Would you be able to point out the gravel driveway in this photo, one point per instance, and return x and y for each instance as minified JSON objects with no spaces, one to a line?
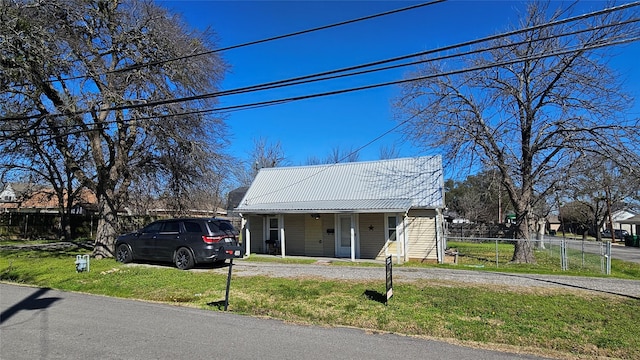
{"x":627,"y":288}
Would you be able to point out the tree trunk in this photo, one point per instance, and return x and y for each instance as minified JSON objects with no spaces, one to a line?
{"x":65,"y":224}
{"x":107,"y":232}
{"x":523,"y":252}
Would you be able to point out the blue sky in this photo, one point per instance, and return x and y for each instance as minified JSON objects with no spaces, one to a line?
{"x":313,"y":128}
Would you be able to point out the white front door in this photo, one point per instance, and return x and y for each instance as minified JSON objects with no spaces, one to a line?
{"x":343,"y":246}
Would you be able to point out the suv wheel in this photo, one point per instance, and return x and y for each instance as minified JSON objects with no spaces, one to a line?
{"x":123,"y":254}
{"x":184,"y":259}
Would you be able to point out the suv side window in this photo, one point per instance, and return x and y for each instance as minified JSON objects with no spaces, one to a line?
{"x":152,"y":228}
{"x":192,"y":227}
{"x":171,"y":227}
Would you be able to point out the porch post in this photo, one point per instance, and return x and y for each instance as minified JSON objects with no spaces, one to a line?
{"x":247,"y":235}
{"x":281,"y":229}
{"x":353,"y":240}
{"x":405,"y":236}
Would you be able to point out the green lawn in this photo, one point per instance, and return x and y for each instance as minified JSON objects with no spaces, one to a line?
{"x":559,"y":323}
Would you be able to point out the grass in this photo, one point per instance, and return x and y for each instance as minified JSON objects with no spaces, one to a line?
{"x":552,"y":322}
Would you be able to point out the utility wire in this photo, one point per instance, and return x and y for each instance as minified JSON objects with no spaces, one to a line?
{"x":368,"y":17}
{"x":299,"y":80}
{"x":255,"y":42}
{"x":377,"y":85}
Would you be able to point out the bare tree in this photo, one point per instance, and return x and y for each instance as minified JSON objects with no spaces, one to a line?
{"x":36,"y":157}
{"x":104,"y":76}
{"x":339,"y":155}
{"x":598,"y":188}
{"x":263,"y":155}
{"x":533,"y":99}
{"x":389,"y":152}
{"x":480,"y":198}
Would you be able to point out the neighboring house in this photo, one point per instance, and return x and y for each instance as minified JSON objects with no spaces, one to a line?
{"x":8,"y":194}
{"x":618,"y":218}
{"x":553,"y":224}
{"x":633,"y":224}
{"x":358,"y":210}
{"x":18,"y":197}
{"x":14,"y":192}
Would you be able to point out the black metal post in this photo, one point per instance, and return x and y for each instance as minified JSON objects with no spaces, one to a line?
{"x":226,"y":296}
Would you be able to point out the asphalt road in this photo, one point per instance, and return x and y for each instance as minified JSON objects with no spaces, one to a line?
{"x":46,"y":324}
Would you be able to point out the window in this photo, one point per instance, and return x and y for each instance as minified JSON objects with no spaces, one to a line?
{"x":152,"y":228}
{"x":273,"y":228}
{"x":171,"y":226}
{"x":392,"y":222}
{"x":192,"y":227}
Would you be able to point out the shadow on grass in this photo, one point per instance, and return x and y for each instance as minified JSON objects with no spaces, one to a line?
{"x":218,"y":304}
{"x":375,"y":296}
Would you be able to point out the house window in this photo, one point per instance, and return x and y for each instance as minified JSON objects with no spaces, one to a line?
{"x":273,"y":229}
{"x":392,"y":221}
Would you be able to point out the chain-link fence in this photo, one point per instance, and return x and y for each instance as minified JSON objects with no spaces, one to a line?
{"x":553,"y":253}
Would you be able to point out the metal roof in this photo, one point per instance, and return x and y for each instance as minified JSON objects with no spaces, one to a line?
{"x":386,"y":186}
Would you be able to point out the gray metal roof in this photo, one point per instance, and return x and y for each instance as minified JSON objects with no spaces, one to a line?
{"x":374,"y":186}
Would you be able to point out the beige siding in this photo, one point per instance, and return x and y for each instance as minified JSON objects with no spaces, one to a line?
{"x":393,"y":248}
{"x":372,"y":236}
{"x":256,"y":227}
{"x":294,"y":234}
{"x":422,"y":235}
{"x":313,"y":236}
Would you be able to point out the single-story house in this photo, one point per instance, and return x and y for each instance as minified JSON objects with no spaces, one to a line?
{"x":357,"y":210}
{"x":619,"y":220}
{"x":632,"y":222}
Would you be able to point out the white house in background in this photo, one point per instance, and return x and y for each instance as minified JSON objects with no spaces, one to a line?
{"x":618,"y":218}
{"x":11,"y":192}
{"x":358,"y":210}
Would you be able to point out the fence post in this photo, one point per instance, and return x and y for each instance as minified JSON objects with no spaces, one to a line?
{"x":496,"y":253}
{"x":605,"y":258}
{"x":26,"y":225}
{"x":602,"y":260}
{"x":583,"y":251}
{"x":608,"y":257}
{"x":563,"y":255}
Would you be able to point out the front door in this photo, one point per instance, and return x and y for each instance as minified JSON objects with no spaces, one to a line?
{"x":343,"y":248}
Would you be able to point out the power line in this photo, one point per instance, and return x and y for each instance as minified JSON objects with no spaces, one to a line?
{"x":299,"y":80}
{"x":446,"y":48}
{"x":261,"y":41}
{"x":377,"y":85}
{"x":286,"y":100}
{"x":324,"y":27}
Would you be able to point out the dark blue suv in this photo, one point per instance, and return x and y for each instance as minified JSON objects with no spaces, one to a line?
{"x":185,"y":242}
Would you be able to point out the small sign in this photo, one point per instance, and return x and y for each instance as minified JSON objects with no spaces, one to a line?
{"x":389,"y":278}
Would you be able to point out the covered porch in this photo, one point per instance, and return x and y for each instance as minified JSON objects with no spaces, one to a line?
{"x":345,"y":235}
